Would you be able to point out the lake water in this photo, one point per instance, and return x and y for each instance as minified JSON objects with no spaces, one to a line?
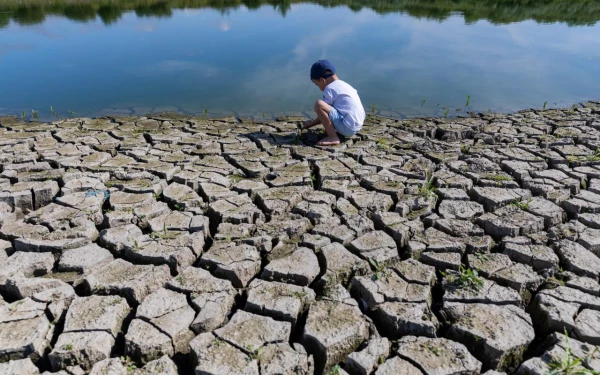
{"x":407,"y":58}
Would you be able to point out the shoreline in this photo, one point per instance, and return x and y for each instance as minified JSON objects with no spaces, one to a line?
{"x":386,"y":114}
{"x":173,"y":243}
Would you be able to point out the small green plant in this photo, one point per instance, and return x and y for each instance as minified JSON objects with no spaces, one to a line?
{"x":422,"y":102}
{"x":380,"y":270}
{"x":584,"y":184}
{"x":263,"y":115}
{"x":382,"y":144}
{"x":594,"y":157}
{"x":71,"y":113}
{"x":465,"y":279}
{"x":568,"y":364}
{"x":54,"y":113}
{"x":373,"y":109}
{"x":468,"y":100}
{"x":205,"y":112}
{"x":255,"y":354}
{"x":482,"y":257}
{"x":34,"y":114}
{"x":335,"y":370}
{"x":299,"y":295}
{"x":297,"y":139}
{"x":128,"y":363}
{"x":136,"y":246}
{"x":433,"y":349}
{"x":68,"y":347}
{"x":426,"y":189}
{"x":23,"y":116}
{"x":446,"y":112}
{"x":521,"y":204}
{"x":465,"y":149}
{"x":544,"y":107}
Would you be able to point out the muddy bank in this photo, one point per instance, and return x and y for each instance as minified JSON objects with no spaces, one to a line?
{"x":170,"y":243}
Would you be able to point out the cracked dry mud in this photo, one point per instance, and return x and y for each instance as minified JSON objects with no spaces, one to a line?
{"x":173,"y":244}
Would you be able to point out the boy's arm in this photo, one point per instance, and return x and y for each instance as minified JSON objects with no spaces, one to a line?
{"x":310,"y":123}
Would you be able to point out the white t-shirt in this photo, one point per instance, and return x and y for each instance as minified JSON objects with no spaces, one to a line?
{"x":344,"y":98}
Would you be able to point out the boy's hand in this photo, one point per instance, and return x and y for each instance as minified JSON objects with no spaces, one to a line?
{"x":307,"y":124}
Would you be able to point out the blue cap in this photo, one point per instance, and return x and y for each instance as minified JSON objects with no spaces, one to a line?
{"x":318,"y":69}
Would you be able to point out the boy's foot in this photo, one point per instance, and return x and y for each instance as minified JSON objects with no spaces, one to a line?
{"x":329,"y":141}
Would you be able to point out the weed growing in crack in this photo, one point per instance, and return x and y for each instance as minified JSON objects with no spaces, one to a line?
{"x":570,"y":365}
{"x":23,"y":117}
{"x":35,"y":114}
{"x":594,"y":157}
{"x":523,"y":205}
{"x":128,"y":363}
{"x":380,"y":271}
{"x":68,"y":347}
{"x":544,"y":107}
{"x":465,"y":279}
{"x":382,"y":144}
{"x":426,"y":189}
{"x":483,"y":257}
{"x":335,"y":370}
{"x":255,"y":354}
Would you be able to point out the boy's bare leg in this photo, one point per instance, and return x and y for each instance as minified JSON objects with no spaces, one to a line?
{"x":322,"y":109}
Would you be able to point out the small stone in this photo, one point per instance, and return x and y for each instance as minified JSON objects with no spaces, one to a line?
{"x":278,"y":300}
{"x":578,"y":260}
{"x":19,"y":367}
{"x":587,"y":326}
{"x":366,"y":360}
{"x":145,"y":343}
{"x":81,"y":349}
{"x":281,"y":358}
{"x":215,"y":356}
{"x":134,"y":282}
{"x":237,"y":263}
{"x":97,"y":313}
{"x":438,"y":355}
{"x":301,"y":267}
{"x":333,"y":330}
{"x":463,"y":210}
{"x":497,"y":335}
{"x":442,"y":260}
{"x":25,"y":338}
{"x":398,"y":319}
{"x":340,"y":265}
{"x":395,"y":366}
{"x":375,"y":245}
{"x":83,"y":259}
{"x":249,"y":332}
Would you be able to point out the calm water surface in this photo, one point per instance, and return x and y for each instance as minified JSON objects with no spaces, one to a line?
{"x":255,"y":61}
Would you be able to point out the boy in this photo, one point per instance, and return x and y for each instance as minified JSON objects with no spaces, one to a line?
{"x":340,"y":111}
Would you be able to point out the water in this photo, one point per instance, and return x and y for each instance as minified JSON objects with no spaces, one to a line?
{"x":136,"y":56}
